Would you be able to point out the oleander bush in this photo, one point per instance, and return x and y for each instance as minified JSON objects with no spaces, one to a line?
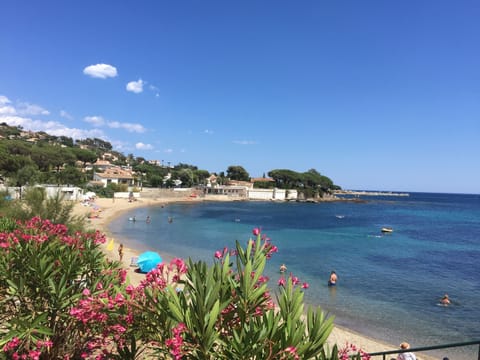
{"x":61,"y":299}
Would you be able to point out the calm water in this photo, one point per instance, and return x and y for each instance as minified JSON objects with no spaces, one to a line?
{"x":389,"y":285}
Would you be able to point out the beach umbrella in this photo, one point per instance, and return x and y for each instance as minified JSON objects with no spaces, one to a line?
{"x":148,"y":261}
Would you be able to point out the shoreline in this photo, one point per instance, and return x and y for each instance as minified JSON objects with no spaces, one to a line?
{"x":112,"y":209}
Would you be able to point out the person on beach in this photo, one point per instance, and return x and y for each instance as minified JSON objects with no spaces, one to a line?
{"x":283,"y":268}
{"x":406,"y":355}
{"x":333,"y":279}
{"x":445,"y":300}
{"x":120,"y":252}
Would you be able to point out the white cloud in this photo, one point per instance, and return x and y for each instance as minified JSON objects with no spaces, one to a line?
{"x":65,"y":115}
{"x":99,"y":121}
{"x":7,"y":110}
{"x":244,"y":142}
{"x":21,"y":108}
{"x":4,"y":100}
{"x":142,"y":146}
{"x":210,"y":132}
{"x":31,"y":109}
{"x":168,"y":151}
{"x":101,"y":71}
{"x":95,"y":120}
{"x":127,"y":126}
{"x":50,"y":127}
{"x":135,"y":86}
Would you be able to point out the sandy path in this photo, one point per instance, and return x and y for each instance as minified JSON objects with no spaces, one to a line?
{"x":111,"y":209}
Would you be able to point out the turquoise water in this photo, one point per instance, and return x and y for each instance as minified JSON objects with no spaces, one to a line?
{"x":389,"y":285}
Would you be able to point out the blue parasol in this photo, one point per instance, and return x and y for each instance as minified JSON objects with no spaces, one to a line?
{"x":148,"y":261}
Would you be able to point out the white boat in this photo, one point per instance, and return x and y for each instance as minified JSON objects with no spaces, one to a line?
{"x":387,"y":230}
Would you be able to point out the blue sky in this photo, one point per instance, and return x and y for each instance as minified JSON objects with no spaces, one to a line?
{"x":373,"y":94}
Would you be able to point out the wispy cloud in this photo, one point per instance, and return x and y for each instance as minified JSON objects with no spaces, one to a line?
{"x":138,"y":128}
{"x":21,"y":108}
{"x":99,"y":121}
{"x":168,"y":151}
{"x":245,"y":142}
{"x":209,"y":132}
{"x":5,"y":107}
{"x":142,"y":146}
{"x":155,"y":90}
{"x":135,"y":86}
{"x":65,"y":115}
{"x":31,"y":109}
{"x":101,"y":71}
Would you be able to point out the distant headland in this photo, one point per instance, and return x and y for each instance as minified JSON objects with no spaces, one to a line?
{"x":368,"y":193}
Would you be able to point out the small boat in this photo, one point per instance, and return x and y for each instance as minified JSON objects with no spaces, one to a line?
{"x":387,"y":230}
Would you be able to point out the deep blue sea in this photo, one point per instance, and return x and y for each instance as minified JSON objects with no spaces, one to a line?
{"x":389,"y":284}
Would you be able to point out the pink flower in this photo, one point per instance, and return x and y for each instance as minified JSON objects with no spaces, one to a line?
{"x":256,"y":231}
{"x":305,"y":285}
{"x":86,"y":292}
{"x":218,"y":254}
{"x":281,"y":281}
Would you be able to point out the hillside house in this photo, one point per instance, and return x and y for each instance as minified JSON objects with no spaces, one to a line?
{"x":114,"y":175}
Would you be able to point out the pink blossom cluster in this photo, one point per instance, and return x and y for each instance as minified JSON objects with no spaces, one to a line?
{"x":95,"y":311}
{"x":164,"y":275}
{"x":39,"y":231}
{"x":176,"y":342}
{"x":113,"y":312}
{"x":14,"y":351}
{"x":350,"y":349}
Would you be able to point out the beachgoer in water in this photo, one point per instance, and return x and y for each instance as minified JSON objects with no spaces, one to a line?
{"x":445,"y":300}
{"x":120,"y":252}
{"x":406,"y":355}
{"x":148,"y":220}
{"x":283,"y":268}
{"x":333,"y":279}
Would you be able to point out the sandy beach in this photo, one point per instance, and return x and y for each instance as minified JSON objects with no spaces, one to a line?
{"x":109,"y":209}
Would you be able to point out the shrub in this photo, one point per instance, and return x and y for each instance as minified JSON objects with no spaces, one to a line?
{"x":61,"y":299}
{"x":43,"y":272}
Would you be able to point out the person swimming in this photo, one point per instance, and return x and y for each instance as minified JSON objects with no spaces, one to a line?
{"x":332,"y":281}
{"x":445,"y":300}
{"x":283,"y":268}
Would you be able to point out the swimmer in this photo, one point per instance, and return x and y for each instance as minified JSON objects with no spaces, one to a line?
{"x":333,"y":279}
{"x":148,"y":220}
{"x":283,"y":268}
{"x":445,"y":300}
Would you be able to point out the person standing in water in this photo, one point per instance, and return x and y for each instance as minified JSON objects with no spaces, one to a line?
{"x":333,"y":279}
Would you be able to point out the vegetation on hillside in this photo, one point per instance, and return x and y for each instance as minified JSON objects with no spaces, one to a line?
{"x":29,"y":158}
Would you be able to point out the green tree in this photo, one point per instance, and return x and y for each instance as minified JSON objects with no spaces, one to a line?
{"x":201,"y":176}
{"x":84,"y":155}
{"x":70,"y":175}
{"x":236,"y":172}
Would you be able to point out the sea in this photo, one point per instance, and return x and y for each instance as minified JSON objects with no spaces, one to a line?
{"x":389,"y":284}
